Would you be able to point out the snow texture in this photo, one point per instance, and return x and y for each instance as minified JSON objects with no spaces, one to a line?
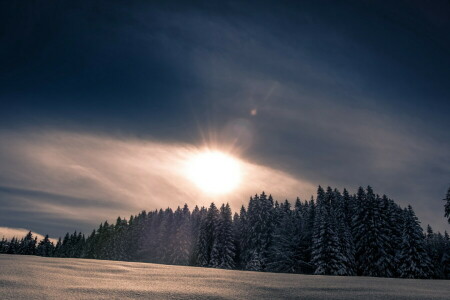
{"x":32,"y":277}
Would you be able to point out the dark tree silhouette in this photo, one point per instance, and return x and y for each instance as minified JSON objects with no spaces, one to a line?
{"x":338,"y":234}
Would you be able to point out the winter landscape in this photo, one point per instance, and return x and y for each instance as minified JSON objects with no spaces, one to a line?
{"x":30,"y":277}
{"x":225,"y":149}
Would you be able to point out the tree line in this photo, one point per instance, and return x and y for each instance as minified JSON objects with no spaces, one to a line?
{"x":334,"y":234}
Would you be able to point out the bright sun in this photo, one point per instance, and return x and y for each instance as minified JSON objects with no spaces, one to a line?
{"x":214,"y":172}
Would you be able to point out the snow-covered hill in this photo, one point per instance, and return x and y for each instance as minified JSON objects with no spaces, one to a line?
{"x":32,"y":277}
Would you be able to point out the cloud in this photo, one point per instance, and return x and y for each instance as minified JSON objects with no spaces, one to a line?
{"x":8,"y":233}
{"x":330,"y":109}
{"x":54,"y":180}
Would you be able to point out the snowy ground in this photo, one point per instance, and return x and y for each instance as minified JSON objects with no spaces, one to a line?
{"x":31,"y":277}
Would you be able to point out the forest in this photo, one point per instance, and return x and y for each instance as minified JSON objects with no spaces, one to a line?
{"x":335,"y":233}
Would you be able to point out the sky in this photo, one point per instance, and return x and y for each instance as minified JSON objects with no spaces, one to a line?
{"x":102,"y":103}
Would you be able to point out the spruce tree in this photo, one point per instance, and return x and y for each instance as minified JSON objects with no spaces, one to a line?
{"x":13,"y":246}
{"x":445,"y":257}
{"x":57,"y":251}
{"x":207,"y":236}
{"x":166,"y":234}
{"x":223,"y":251}
{"x":196,"y":218}
{"x":447,"y":205}
{"x":241,"y":238}
{"x":334,"y":235}
{"x":372,"y":255}
{"x":27,"y":245}
{"x":326,"y":255}
{"x":182,"y":238}
{"x":3,"y":244}
{"x":344,"y":233}
{"x":45,"y":247}
{"x":413,"y":257}
{"x":288,"y":251}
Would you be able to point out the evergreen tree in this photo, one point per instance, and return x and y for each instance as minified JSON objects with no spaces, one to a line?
{"x":326,"y":255}
{"x":343,"y":230}
{"x":57,"y":251}
{"x":241,"y":238}
{"x":182,"y":239}
{"x":288,"y":250}
{"x":207,"y":236}
{"x":13,"y":246}
{"x":337,"y":235}
{"x":45,"y":247}
{"x":89,"y":250}
{"x":3,"y":245}
{"x":166,"y":234}
{"x":445,"y":257}
{"x":196,"y":219}
{"x":413,"y":257}
{"x":447,"y":205}
{"x":436,"y":248}
{"x":260,"y":216}
{"x":27,"y":245}
{"x":371,"y":240}
{"x":223,"y":251}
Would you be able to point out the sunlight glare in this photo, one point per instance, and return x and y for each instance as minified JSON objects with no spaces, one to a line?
{"x":214,"y":172}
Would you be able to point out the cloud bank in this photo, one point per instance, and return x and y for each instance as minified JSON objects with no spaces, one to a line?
{"x":62,"y":181}
{"x":9,"y":233}
{"x":344,"y":97}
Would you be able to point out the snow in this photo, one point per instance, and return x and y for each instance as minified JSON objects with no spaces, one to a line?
{"x":33,"y":277}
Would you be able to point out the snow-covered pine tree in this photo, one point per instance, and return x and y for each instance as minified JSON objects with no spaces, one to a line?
{"x":99,"y":243}
{"x":89,"y":247}
{"x":13,"y":246}
{"x":326,"y":254}
{"x":136,"y":237}
{"x":108,"y":233}
{"x":147,"y":231}
{"x":166,"y":234}
{"x":447,"y":205}
{"x":173,"y":243}
{"x":28,"y":245}
{"x":207,"y":236}
{"x":223,"y":251}
{"x":413,"y":257}
{"x":118,"y":242}
{"x":45,"y":247}
{"x":81,"y":244}
{"x":247,"y":246}
{"x":236,"y":238}
{"x":308,"y":228}
{"x":3,"y":245}
{"x":196,"y":218}
{"x":260,"y":227}
{"x":182,"y":239}
{"x":240,"y":236}
{"x":391,"y":214}
{"x":347,"y":208}
{"x":280,"y":257}
{"x":372,"y":256}
{"x":435,"y":246}
{"x":344,"y":233}
{"x":298,"y":206}
{"x":288,"y":250}
{"x":57,"y":251}
{"x":445,"y":260}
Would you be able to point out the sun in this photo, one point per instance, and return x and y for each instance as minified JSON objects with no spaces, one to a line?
{"x":214,"y":172}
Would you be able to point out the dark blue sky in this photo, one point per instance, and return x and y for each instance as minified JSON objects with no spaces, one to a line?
{"x":347,"y":93}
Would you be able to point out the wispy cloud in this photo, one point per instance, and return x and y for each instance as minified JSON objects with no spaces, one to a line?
{"x":83,"y":179}
{"x":328,"y":108}
{"x":9,"y":233}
